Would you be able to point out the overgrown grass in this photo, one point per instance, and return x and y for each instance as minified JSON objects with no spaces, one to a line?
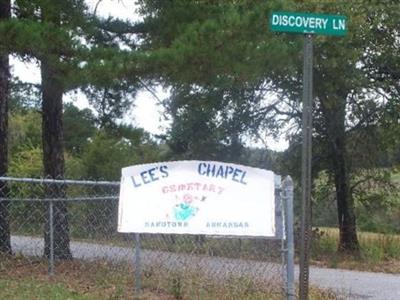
{"x":29,"y":288}
{"x":27,"y":279}
{"x":379,"y":252}
{"x":21,"y":278}
{"x":396,"y":177}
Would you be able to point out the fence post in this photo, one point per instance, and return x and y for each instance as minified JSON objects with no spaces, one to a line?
{"x":137,"y":265}
{"x":51,"y":234}
{"x":288,"y":196}
{"x":280,"y":221}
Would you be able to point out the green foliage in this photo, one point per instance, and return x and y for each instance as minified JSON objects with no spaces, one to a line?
{"x":263,"y":158}
{"x":104,"y":156}
{"x":78,"y":128}
{"x":27,"y":163}
{"x":374,"y":191}
{"x":213,"y":43}
{"x":220,"y":59}
{"x":376,"y":196}
{"x":23,"y":96}
{"x":355,"y":98}
{"x":106,"y":153}
{"x":74,"y":167}
{"x":25,"y":131}
{"x":111,"y":101}
{"x":376,"y":251}
{"x":193,"y":134}
{"x":324,"y":245}
{"x":90,"y":153}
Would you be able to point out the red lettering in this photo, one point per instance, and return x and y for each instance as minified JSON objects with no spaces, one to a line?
{"x":212,"y":188}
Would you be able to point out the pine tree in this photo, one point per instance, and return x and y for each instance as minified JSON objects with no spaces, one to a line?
{"x":74,"y":49}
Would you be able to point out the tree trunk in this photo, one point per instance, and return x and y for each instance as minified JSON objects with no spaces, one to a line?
{"x":334,"y":114}
{"x":53,"y":156}
{"x":5,"y":245}
{"x":348,"y":241}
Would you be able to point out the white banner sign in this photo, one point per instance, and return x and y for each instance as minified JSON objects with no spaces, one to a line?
{"x":197,"y":197}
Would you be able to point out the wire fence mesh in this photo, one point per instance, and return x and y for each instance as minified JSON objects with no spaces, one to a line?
{"x":84,"y":233}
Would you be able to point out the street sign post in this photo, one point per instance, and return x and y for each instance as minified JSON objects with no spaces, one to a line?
{"x":308,"y":24}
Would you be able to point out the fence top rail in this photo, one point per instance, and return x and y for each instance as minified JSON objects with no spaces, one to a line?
{"x":66,"y":199}
{"x":60,"y":181}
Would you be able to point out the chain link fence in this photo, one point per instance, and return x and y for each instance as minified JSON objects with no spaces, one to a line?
{"x":66,"y":224}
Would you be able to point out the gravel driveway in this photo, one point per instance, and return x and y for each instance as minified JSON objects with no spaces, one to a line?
{"x":347,"y":284}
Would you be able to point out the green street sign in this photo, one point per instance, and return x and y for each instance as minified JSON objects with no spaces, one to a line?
{"x":308,"y":23}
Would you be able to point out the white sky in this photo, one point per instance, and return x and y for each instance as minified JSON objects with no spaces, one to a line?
{"x":146,"y":113}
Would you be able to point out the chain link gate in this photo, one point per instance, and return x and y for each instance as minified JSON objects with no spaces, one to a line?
{"x":61,"y":220}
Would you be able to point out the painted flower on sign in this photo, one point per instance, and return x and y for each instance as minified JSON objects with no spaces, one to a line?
{"x":184,"y":210}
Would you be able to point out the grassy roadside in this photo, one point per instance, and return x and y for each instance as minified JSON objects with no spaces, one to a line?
{"x":26,"y":279}
{"x":30,"y":288}
{"x":76,"y":280}
{"x":379,"y":252}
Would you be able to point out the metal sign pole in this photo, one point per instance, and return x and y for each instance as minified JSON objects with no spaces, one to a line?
{"x":335,"y":25}
{"x":305,"y":234}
